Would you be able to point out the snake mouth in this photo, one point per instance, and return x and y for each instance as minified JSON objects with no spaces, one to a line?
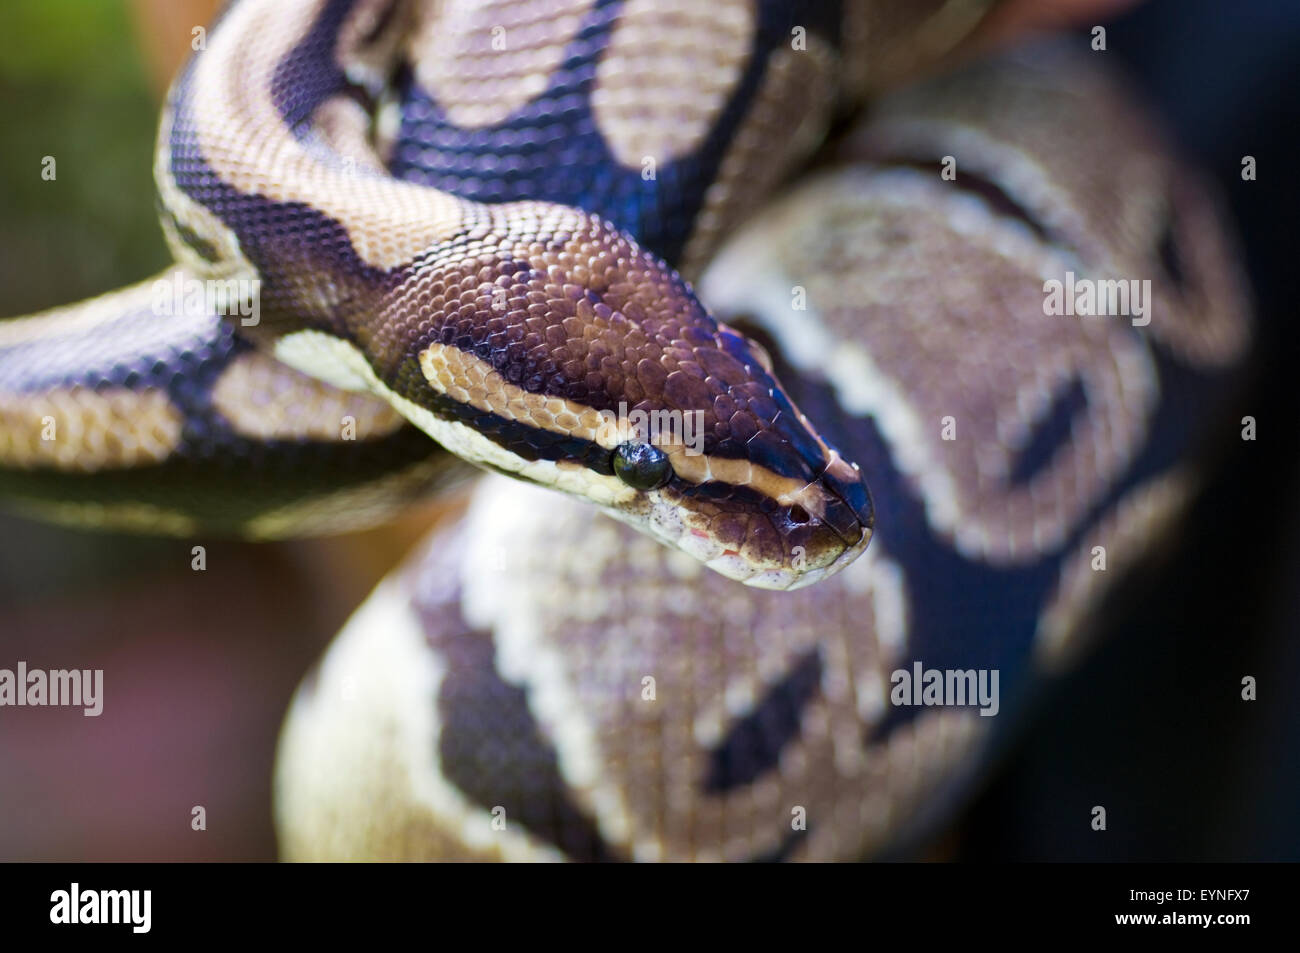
{"x":848,"y":514}
{"x":760,"y":545}
{"x":847,"y":518}
{"x":789,"y":578}
{"x":850,"y":553}
{"x":761,"y":538}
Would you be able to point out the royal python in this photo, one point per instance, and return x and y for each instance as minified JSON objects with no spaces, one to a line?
{"x":505,"y":224}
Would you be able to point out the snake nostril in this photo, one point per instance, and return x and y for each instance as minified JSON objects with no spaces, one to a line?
{"x":798,"y":515}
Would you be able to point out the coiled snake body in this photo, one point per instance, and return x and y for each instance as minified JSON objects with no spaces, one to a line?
{"x":476,"y":223}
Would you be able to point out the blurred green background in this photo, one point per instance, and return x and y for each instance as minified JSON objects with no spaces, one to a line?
{"x":74,"y":85}
{"x":198,"y":667}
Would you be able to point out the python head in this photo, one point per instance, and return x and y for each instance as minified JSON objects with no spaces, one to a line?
{"x":578,"y":361}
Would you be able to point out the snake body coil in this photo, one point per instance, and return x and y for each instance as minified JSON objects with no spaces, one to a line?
{"x":476,"y":223}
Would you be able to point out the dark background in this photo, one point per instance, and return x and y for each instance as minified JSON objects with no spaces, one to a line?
{"x":1150,"y":725}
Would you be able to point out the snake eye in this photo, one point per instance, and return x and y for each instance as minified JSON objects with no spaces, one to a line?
{"x":641,"y":465}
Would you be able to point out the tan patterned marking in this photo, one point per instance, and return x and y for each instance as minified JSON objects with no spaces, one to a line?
{"x":75,"y":320}
{"x":667,"y":73}
{"x":911,"y":346}
{"x":470,"y":380}
{"x":336,"y":360}
{"x":246,"y":143}
{"x":227,"y":258}
{"x":342,"y":125}
{"x":266,"y":400}
{"x":92,"y":430}
{"x":1108,"y":196}
{"x":482,"y":61}
{"x":580,"y":611}
{"x":787,"y":118}
{"x":595,"y":607}
{"x":357,"y":774}
{"x":848,"y":820}
{"x":786,"y":491}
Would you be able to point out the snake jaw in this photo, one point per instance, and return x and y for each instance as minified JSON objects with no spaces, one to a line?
{"x":833,"y":554}
{"x":785,"y":580}
{"x":757,"y":540}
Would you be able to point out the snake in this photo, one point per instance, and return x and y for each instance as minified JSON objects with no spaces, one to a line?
{"x":411,"y":236}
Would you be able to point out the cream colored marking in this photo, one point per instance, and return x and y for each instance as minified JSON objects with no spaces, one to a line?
{"x":1013,"y":168}
{"x":1215,"y":329}
{"x":667,"y":73}
{"x":341,"y":125}
{"x":74,"y":320}
{"x":524,"y":654}
{"x":266,"y":399}
{"x":229,"y":262}
{"x":483,"y":61}
{"x":333,"y":359}
{"x":380,"y":674}
{"x":342,"y":364}
{"x":245,"y":141}
{"x":1030,"y":155}
{"x":324,"y":357}
{"x":873,"y":574}
{"x":92,"y":430}
{"x":470,"y":380}
{"x":787,"y":491}
{"x":786,"y":120}
{"x":985,"y":519}
{"x":804,"y":339}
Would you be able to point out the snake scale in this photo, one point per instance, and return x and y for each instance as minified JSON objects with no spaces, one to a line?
{"x":511,"y":225}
